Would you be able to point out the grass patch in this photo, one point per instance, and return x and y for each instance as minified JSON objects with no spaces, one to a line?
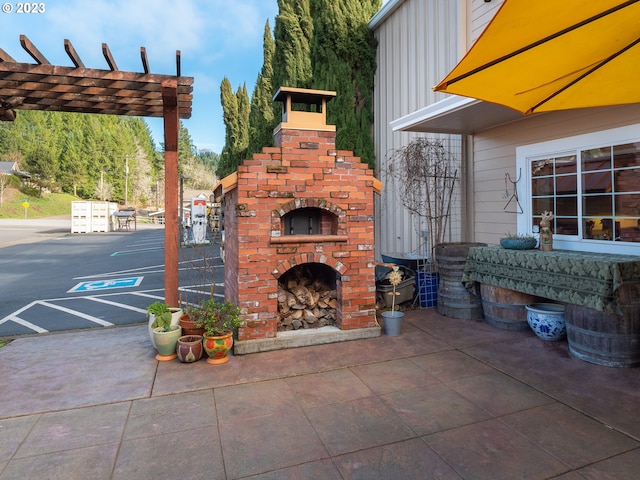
{"x":50,"y":204}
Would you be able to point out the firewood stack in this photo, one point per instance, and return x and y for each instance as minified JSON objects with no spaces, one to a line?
{"x":305,"y":301}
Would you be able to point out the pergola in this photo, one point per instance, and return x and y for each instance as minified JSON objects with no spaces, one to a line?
{"x":42,"y":86}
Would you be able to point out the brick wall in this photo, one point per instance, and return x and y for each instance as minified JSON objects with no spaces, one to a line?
{"x":302,"y":170}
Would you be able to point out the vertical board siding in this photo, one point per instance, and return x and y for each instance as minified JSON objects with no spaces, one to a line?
{"x":417,"y":47}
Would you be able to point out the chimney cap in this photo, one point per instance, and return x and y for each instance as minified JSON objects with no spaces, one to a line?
{"x":302,"y":95}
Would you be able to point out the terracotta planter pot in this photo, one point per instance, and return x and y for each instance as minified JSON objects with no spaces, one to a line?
{"x":189,"y":326}
{"x":189,"y":348}
{"x":217,"y":348}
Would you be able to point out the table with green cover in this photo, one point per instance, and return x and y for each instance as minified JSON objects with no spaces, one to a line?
{"x":582,"y":278}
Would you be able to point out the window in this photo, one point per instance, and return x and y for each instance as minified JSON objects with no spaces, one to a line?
{"x":592,"y":185}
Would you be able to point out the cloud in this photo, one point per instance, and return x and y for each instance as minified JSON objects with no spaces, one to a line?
{"x":161,"y":26}
{"x":206,"y":29}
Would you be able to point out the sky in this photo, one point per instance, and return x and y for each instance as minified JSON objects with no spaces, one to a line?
{"x":216,"y":38}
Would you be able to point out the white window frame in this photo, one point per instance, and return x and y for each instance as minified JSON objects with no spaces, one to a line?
{"x":562,"y":147}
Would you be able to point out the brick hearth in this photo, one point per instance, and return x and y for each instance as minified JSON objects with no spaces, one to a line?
{"x":330,"y":192}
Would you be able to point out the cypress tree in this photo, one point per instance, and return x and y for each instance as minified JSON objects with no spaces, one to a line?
{"x":292,"y":56}
{"x":235,"y":111}
{"x":321,"y":44}
{"x":244,"y":106}
{"x":261,"y":116}
{"x":343,"y":52}
{"x":229,"y":117}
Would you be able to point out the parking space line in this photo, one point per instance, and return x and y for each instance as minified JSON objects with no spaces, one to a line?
{"x":99,"y":321}
{"x":25,"y":324}
{"x":117,"y":304}
{"x":136,"y":251}
{"x":149,"y":295}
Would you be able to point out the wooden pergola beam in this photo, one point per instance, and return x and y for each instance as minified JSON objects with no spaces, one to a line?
{"x":108,"y":57}
{"x":33,"y":51}
{"x":73,"y":55}
{"x":72,"y":89}
{"x":145,"y":60}
{"x":5,"y":57}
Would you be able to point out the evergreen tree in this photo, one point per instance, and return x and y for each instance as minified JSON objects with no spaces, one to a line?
{"x":343,"y":52}
{"x":186,"y":148}
{"x":229,"y":102}
{"x":320,"y":44}
{"x":73,"y":164}
{"x":244,"y":106}
{"x":209,"y":159}
{"x":292,"y":55}
{"x":81,"y":154}
{"x":261,"y":116}
{"x":235,"y":111}
{"x":41,"y":145}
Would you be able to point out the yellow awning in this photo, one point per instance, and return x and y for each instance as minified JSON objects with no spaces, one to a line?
{"x":545,"y":55}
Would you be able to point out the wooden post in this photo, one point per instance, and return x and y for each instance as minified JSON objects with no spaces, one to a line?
{"x":171,"y":226}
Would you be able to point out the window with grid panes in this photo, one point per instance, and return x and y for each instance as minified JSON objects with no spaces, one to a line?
{"x":593,"y":189}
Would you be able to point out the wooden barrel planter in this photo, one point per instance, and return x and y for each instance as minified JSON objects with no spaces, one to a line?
{"x":504,"y":308}
{"x":454,"y":300}
{"x":604,"y":338}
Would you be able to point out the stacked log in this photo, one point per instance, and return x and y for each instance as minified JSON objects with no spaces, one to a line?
{"x":305,"y":302}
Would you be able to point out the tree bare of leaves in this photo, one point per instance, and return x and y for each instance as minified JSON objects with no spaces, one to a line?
{"x":428,"y":174}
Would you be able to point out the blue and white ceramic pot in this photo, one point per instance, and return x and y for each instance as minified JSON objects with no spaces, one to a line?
{"x":547,"y":321}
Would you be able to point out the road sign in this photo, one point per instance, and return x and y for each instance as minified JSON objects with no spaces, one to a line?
{"x":106,"y":284}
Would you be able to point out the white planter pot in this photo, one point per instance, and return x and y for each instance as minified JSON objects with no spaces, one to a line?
{"x":176,"y":313}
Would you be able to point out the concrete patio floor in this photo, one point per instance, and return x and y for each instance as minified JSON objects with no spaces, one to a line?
{"x":447,"y":399}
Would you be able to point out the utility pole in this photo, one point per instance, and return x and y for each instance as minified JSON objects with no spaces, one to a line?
{"x":126,"y":179}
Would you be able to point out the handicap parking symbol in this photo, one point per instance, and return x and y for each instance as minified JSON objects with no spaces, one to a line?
{"x":106,"y":284}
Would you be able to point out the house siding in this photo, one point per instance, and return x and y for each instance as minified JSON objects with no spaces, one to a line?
{"x":420,"y":41}
{"x":418,"y":44}
{"x":495,"y":155}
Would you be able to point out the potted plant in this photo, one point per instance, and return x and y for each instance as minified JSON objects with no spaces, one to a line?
{"x":189,"y":321}
{"x":392,"y":320}
{"x":165,"y":334}
{"x":518,"y":241}
{"x":219,"y":320}
{"x":158,"y":309}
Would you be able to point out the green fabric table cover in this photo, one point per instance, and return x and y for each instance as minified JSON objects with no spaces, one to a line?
{"x":582,"y":278}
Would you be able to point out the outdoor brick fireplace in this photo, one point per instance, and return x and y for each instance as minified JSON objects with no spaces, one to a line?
{"x":299,"y":235}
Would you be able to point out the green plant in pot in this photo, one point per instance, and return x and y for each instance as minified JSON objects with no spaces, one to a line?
{"x":219,"y":321}
{"x":158,"y":309}
{"x":165,"y":332}
{"x":391,"y":319}
{"x":190,"y":319}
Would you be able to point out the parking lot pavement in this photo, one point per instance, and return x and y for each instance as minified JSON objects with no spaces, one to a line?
{"x":16,"y":231}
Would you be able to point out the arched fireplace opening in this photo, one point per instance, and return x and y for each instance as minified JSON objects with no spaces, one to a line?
{"x":307,"y":297}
